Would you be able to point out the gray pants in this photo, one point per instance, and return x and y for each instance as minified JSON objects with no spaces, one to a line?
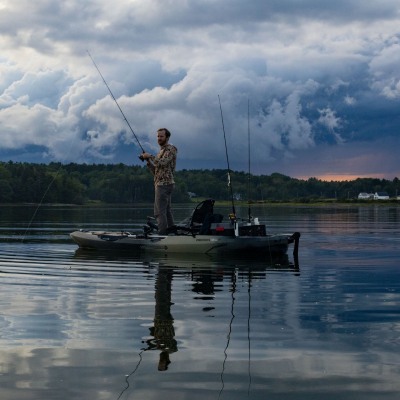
{"x":162,"y":207}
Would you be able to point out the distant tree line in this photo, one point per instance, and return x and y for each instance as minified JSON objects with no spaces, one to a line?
{"x":119,"y":183}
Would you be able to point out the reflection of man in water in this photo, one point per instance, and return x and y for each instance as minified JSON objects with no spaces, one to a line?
{"x":163,"y":330}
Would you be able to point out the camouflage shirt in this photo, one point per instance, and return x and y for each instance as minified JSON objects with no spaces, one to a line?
{"x":163,"y":165}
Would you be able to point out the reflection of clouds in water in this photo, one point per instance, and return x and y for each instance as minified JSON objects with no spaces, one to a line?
{"x":37,"y":372}
{"x":74,"y":326}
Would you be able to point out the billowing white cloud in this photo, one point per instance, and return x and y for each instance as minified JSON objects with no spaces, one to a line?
{"x":384,"y":70}
{"x":329,"y":120}
{"x":311,"y":73}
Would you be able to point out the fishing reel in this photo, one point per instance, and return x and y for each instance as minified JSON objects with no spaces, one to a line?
{"x":141,"y":158}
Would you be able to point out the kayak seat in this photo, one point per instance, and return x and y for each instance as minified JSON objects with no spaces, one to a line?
{"x":204,"y":208}
{"x":200,"y":221}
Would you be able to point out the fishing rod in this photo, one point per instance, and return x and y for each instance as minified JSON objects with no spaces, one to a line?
{"x":248,"y":140}
{"x":116,"y":102}
{"x":233,"y":216}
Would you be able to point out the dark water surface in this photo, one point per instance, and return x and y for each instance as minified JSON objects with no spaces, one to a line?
{"x":92,"y":325}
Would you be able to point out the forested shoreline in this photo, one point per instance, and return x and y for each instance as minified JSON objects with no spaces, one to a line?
{"x":122,"y":184}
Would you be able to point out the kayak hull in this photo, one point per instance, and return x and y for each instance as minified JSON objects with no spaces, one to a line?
{"x":194,"y":244}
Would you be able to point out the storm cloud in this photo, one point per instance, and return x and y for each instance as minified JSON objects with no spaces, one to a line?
{"x":316,"y":84}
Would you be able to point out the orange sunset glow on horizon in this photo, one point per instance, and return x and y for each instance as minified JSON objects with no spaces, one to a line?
{"x":344,"y":177}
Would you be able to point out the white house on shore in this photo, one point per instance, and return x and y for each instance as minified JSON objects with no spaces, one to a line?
{"x":381,"y":196}
{"x":365,"y":196}
{"x":373,"y":196}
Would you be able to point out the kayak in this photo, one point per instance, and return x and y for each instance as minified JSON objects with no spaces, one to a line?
{"x":202,"y":233}
{"x":199,"y":244}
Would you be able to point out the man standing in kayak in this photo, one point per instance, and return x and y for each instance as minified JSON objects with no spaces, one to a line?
{"x":162,"y":166}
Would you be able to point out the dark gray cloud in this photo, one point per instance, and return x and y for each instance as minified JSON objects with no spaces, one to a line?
{"x":320,"y":78}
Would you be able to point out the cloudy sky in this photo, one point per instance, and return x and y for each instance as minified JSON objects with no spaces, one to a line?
{"x":316,"y":83}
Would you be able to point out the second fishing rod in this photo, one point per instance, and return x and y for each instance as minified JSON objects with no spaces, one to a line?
{"x":116,"y":102}
{"x":233,"y":215}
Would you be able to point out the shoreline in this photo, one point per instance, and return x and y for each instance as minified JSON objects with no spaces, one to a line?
{"x":275,"y":203}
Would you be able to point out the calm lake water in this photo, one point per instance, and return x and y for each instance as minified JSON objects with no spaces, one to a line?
{"x":92,"y":325}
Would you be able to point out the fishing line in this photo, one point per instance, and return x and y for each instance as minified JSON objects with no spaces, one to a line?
{"x":248,"y":332}
{"x":40,"y":203}
{"x":116,"y":102}
{"x":229,"y":334}
{"x":227,"y":161}
{"x":131,"y":374}
{"x":44,"y":195}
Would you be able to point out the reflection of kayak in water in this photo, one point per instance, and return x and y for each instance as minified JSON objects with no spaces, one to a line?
{"x":195,"y":262}
{"x":202,"y":233}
